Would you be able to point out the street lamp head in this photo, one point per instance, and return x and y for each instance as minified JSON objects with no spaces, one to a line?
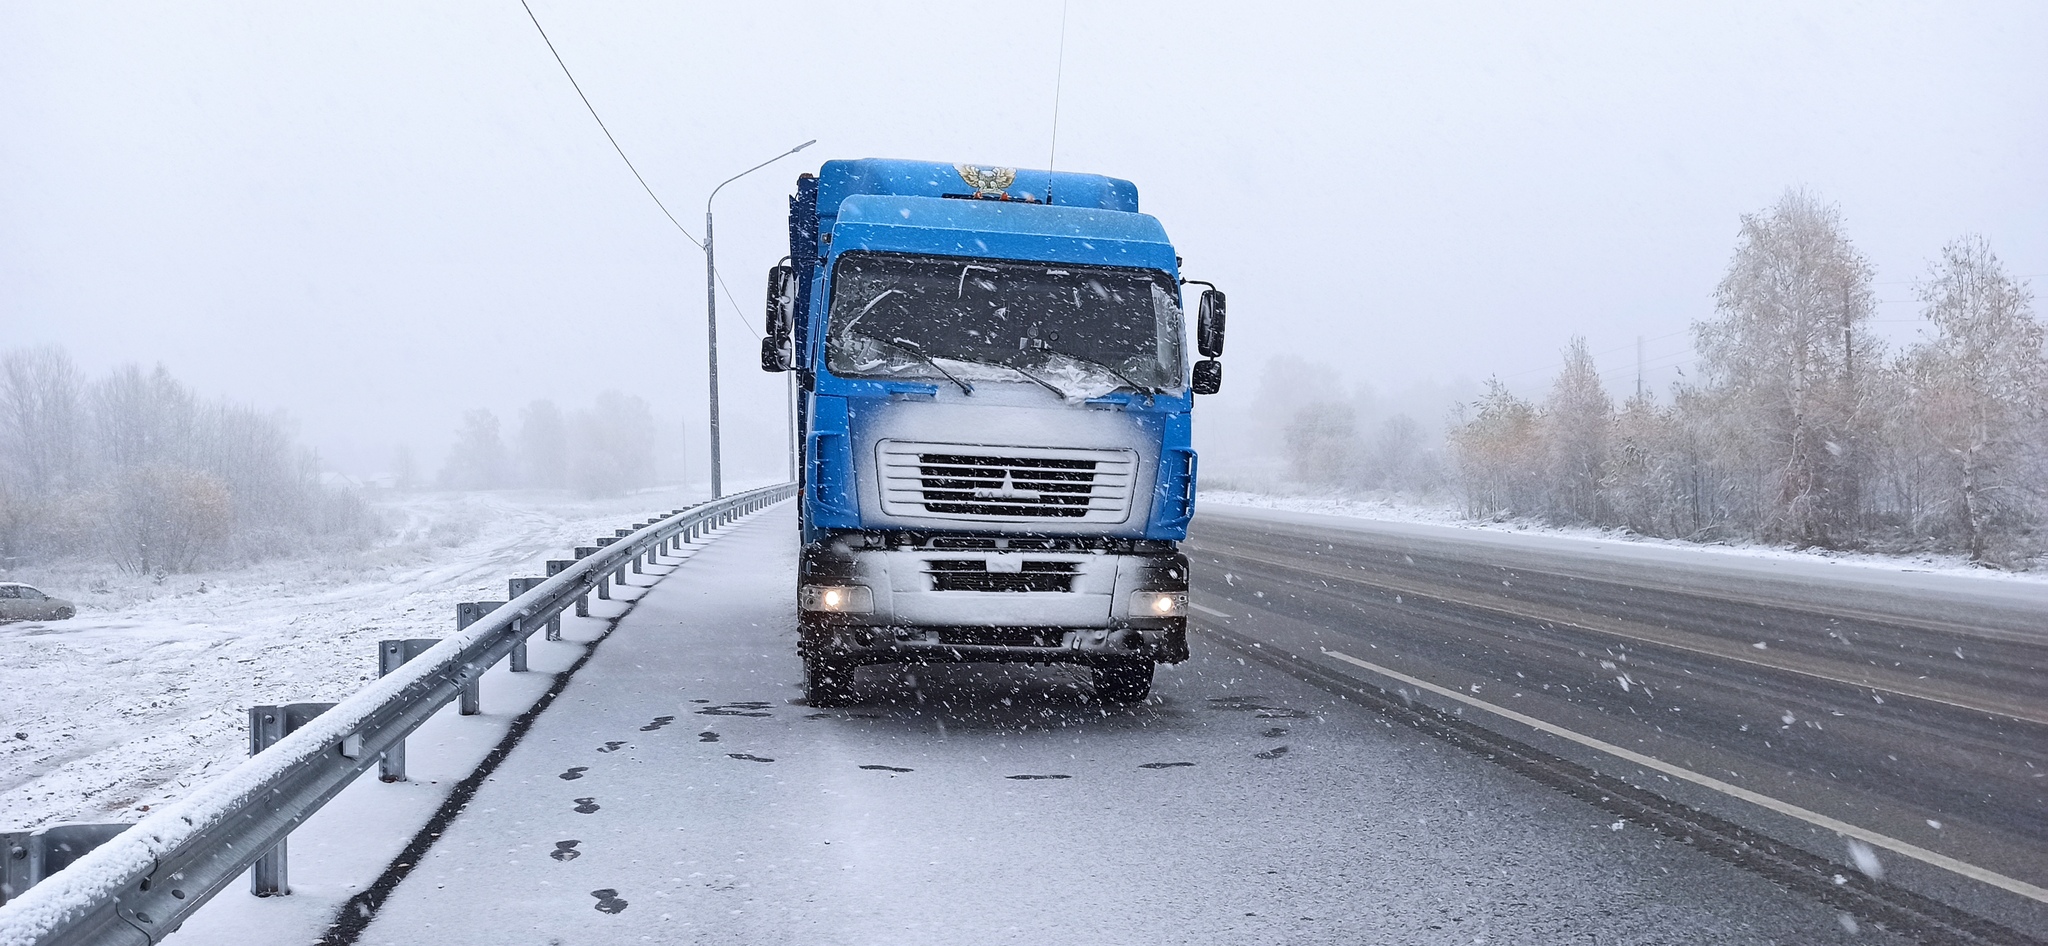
{"x":803,"y":146}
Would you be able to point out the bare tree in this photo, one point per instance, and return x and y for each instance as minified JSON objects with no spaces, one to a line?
{"x":1982,"y":386}
{"x":1785,"y":361}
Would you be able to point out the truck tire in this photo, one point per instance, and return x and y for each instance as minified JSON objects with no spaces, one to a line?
{"x":1125,"y":680}
{"x":827,"y":682}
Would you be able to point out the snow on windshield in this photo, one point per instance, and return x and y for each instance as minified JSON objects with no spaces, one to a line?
{"x":1082,"y":330}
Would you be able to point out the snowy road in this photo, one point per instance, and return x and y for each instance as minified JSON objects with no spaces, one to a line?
{"x":679,"y":792}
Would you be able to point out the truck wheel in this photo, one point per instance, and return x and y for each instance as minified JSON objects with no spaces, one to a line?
{"x":1123,"y":681}
{"x":827,"y":682}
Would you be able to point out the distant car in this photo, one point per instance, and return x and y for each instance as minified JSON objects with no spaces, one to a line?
{"x":19,"y":602}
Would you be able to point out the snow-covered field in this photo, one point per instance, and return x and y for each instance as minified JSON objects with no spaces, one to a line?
{"x":1446,"y":513}
{"x":144,"y":694}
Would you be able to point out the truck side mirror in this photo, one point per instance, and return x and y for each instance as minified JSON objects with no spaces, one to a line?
{"x":1208,"y":376}
{"x":781,"y":300}
{"x":1209,"y":326}
{"x":775,"y":353}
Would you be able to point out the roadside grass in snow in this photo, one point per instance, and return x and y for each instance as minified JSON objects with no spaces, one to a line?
{"x":1394,"y":507}
{"x":144,"y":695}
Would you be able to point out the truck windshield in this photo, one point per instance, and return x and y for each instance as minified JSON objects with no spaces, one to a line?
{"x":1084,"y":330}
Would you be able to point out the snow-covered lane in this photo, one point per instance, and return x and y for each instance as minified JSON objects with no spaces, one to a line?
{"x":678,"y":791}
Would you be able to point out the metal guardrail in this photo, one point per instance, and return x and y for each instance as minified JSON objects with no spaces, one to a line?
{"x":141,"y":884}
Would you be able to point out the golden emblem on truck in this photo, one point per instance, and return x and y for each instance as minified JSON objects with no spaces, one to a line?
{"x":987,"y":182}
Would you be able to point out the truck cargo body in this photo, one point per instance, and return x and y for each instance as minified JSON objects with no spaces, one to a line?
{"x":994,"y":418}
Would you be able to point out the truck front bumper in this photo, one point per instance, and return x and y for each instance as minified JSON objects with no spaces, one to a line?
{"x":934,"y":603}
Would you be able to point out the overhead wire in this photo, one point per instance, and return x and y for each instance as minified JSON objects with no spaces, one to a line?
{"x":607,"y":131}
{"x":685,"y":231}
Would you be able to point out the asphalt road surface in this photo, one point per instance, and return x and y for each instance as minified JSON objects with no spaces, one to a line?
{"x":679,"y":791}
{"x":1912,"y":707}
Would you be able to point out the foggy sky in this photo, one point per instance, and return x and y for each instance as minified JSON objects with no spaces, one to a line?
{"x":375,"y":216}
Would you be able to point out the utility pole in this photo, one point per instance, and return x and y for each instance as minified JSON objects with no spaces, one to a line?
{"x":711,"y":329}
{"x":1639,"y":366}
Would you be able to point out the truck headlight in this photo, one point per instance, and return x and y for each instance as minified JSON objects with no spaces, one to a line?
{"x":837,"y":599}
{"x":1159,"y":604}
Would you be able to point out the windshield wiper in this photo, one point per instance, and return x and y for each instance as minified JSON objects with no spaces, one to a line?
{"x":1142,"y":389}
{"x":1041,"y":382}
{"x":906,"y":345}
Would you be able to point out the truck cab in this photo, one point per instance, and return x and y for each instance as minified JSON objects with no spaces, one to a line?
{"x":993,"y":420}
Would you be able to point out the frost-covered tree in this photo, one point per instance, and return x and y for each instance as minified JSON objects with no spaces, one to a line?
{"x":42,"y":456}
{"x":165,"y":518}
{"x":137,"y":467}
{"x":1786,"y":361}
{"x":543,"y":446}
{"x":1322,"y":445}
{"x":1981,"y":393}
{"x":477,"y":460}
{"x":405,"y":467}
{"x":1398,"y":457}
{"x":612,"y":445}
{"x":143,"y":419}
{"x":1639,"y":488}
{"x":40,"y":419}
{"x":1575,"y":419}
{"x":1500,"y":455}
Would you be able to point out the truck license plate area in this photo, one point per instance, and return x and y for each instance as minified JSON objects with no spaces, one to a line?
{"x":975,"y":575}
{"x":1002,"y":636}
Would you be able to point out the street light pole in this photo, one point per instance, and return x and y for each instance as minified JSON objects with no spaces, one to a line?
{"x":711,"y":310}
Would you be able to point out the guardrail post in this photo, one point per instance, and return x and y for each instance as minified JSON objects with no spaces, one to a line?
{"x":604,"y":583}
{"x":520,"y":586}
{"x":556,"y":567}
{"x":621,"y":573}
{"x":467,"y":613}
{"x":27,"y":858}
{"x":470,"y":612}
{"x":392,"y":655}
{"x":267,"y":725}
{"x":583,"y":601}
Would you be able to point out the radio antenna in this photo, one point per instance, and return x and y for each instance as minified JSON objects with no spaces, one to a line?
{"x":1058,"y":77}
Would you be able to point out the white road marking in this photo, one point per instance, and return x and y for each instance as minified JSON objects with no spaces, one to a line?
{"x":1914,"y":851}
{"x":1212,"y":612}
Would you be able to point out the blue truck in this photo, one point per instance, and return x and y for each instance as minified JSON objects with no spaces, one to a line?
{"x":993,"y":421}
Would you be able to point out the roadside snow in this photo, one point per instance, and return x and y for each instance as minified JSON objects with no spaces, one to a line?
{"x":143,"y":696}
{"x":1445,"y":514}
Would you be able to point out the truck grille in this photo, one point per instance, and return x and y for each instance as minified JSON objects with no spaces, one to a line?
{"x":1005,"y":484}
{"x":973,"y":575}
